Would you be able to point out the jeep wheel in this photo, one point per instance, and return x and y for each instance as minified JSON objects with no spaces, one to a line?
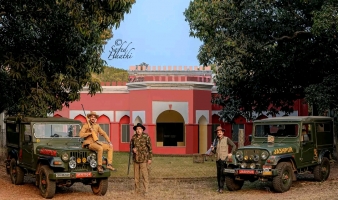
{"x":16,"y":173}
{"x":233,"y":184}
{"x":321,"y":172}
{"x":47,"y":187}
{"x":100,"y":188}
{"x":283,"y":181}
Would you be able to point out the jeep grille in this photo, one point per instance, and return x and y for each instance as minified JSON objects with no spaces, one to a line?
{"x":80,"y":155}
{"x":249,"y":154}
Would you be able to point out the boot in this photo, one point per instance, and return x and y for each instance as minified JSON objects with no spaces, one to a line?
{"x":111,"y":168}
{"x":100,"y":169}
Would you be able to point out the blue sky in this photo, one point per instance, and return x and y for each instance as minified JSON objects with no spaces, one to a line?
{"x":159,"y":34}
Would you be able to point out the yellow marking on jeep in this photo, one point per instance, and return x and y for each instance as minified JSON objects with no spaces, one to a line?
{"x":283,"y":150}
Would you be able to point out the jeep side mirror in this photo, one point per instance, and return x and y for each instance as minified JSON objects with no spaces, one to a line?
{"x":250,"y":138}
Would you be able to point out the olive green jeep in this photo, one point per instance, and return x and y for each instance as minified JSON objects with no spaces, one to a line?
{"x":281,"y":148}
{"x":50,"y":150}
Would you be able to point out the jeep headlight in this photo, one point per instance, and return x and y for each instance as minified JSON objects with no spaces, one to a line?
{"x":264,"y":155}
{"x":252,"y":165}
{"x":243,"y":165}
{"x":239,"y":155}
{"x":65,"y":156}
{"x":93,"y":163}
{"x":91,"y":156}
{"x":72,"y":162}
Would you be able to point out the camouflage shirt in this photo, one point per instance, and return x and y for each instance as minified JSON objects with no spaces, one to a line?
{"x":143,"y":148}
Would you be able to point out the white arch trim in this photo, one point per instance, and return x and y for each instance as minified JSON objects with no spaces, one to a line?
{"x":215,"y":112}
{"x":281,"y":113}
{"x":120,"y":114}
{"x":200,"y":113}
{"x":74,"y":113}
{"x":160,"y":106}
{"x":141,"y":114}
{"x":109,"y":114}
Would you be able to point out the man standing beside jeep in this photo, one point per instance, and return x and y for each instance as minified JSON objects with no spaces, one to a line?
{"x":86,"y":133}
{"x":221,"y":150}
{"x":142,"y":156}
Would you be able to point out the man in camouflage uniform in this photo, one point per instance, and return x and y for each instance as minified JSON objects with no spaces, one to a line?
{"x":142,"y":156}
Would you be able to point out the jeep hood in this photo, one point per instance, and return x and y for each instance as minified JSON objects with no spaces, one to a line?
{"x":275,"y":148}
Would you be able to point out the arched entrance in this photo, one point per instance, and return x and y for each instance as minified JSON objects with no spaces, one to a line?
{"x":170,"y":129}
{"x":202,"y":135}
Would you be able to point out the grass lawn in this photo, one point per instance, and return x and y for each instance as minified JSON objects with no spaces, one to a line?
{"x":166,"y":167}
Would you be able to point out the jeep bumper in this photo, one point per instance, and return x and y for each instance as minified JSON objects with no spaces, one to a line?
{"x":252,"y":172}
{"x":78,"y":175}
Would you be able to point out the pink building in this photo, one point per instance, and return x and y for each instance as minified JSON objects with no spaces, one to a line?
{"x":173,"y":103}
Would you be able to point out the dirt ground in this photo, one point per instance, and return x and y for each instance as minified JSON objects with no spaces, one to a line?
{"x":305,"y":188}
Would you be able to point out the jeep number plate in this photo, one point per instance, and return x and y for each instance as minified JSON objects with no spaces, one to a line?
{"x":229,"y":171}
{"x":62,"y":175}
{"x":241,"y":171}
{"x":83,"y":174}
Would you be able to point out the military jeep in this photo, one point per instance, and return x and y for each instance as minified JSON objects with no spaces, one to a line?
{"x":50,"y":150}
{"x":281,"y":148}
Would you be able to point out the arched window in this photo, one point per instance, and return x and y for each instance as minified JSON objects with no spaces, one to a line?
{"x":125,"y":129}
{"x":103,"y":122}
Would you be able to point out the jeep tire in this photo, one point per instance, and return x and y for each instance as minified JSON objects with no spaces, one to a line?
{"x":47,"y":187}
{"x":100,"y":187}
{"x":16,"y":173}
{"x":321,"y":172}
{"x":233,"y":184}
{"x":283,"y":181}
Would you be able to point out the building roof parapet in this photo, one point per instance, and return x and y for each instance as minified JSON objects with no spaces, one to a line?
{"x":214,"y":89}
{"x":170,"y":85}
{"x":174,"y":68}
{"x":109,"y":89}
{"x":179,"y":70}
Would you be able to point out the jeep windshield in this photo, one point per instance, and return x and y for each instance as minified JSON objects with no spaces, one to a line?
{"x":45,"y":130}
{"x":276,"y":130}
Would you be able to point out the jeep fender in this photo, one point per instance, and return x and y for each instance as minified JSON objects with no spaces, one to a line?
{"x":13,"y":154}
{"x":50,"y":161}
{"x":324,"y":153}
{"x":280,"y":158}
{"x":286,"y":158}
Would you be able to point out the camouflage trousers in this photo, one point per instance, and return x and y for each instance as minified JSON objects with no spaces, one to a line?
{"x":141,"y":172}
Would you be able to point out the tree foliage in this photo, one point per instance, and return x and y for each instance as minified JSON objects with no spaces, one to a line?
{"x":111,"y":74}
{"x":269,"y":53}
{"x":50,"y":48}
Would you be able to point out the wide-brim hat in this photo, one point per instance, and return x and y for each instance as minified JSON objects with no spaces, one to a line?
{"x":139,"y":125}
{"x":92,"y":113}
{"x":219,"y":128}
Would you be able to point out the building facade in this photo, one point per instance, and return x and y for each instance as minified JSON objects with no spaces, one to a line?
{"x":173,"y":103}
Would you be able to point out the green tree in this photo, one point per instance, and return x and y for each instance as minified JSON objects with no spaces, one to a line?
{"x":269,"y":53}
{"x":50,"y":48}
{"x":111,"y":74}
{"x":143,"y":65}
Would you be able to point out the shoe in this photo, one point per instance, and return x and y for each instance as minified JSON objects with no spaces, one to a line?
{"x":100,"y":169}
{"x":217,"y":190}
{"x":111,"y":168}
{"x":220,"y":191}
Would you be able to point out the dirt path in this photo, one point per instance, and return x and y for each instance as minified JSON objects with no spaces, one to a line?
{"x":305,"y":189}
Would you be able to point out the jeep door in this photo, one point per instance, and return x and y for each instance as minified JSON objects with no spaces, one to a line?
{"x":307,"y":145}
{"x":27,"y":146}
